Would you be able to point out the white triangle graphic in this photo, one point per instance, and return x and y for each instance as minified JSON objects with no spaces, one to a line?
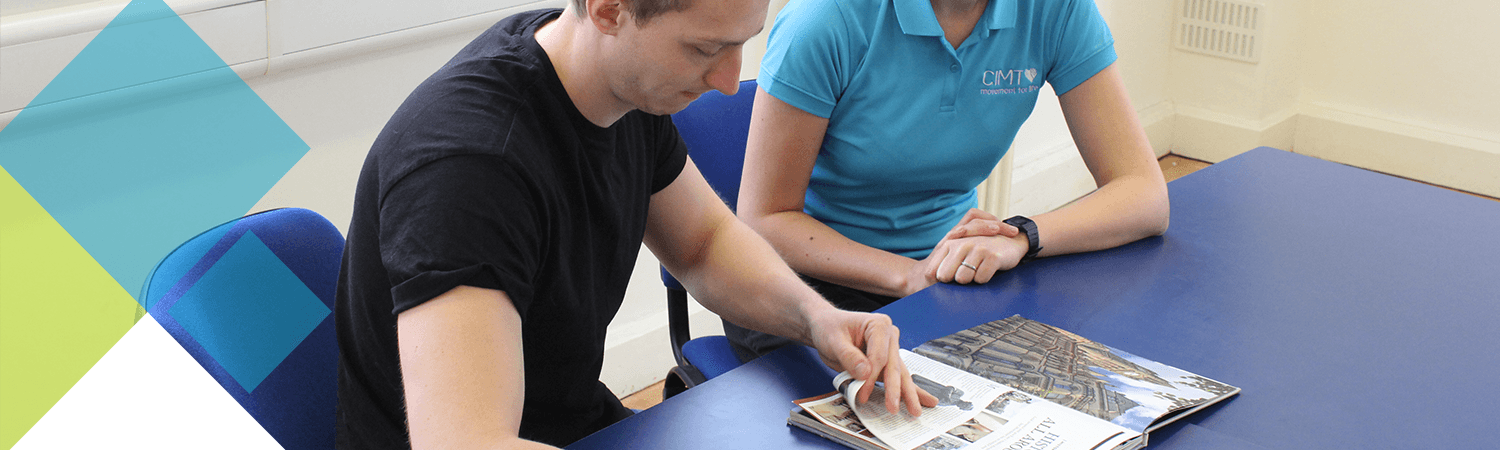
{"x":147,"y":393}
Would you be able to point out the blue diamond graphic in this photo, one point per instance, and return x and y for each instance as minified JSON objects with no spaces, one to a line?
{"x":146,"y":138}
{"x":249,"y":311}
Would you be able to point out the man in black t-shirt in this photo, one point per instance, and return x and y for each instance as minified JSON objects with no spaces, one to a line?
{"x":499,"y":214}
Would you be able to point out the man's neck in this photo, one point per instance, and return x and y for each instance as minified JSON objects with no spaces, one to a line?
{"x":572,"y":49}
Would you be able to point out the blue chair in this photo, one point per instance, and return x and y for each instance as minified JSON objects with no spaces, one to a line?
{"x":251,"y":300}
{"x":715,"y":128}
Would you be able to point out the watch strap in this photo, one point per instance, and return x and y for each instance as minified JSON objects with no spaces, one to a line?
{"x":1033,"y":242}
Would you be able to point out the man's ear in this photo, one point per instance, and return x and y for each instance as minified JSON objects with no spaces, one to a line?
{"x":608,"y":15}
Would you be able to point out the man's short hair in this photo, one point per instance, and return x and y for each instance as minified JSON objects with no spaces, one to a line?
{"x":644,"y":10}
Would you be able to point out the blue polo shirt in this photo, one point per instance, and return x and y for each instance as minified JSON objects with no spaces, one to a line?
{"x":914,"y":124}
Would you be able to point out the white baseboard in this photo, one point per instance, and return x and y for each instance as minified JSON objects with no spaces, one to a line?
{"x":1210,"y":136}
{"x":1446,"y":158}
{"x":1399,"y":148}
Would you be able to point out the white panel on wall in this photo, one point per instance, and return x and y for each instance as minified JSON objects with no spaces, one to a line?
{"x":307,"y":24}
{"x":33,"y":54}
{"x":14,"y":7}
{"x":27,"y":68}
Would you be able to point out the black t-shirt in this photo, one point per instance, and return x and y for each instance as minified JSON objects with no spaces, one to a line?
{"x":488,"y":176}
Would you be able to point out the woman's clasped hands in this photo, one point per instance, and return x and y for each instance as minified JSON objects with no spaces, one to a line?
{"x":980,"y":246}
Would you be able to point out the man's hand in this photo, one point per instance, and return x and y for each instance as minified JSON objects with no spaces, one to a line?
{"x":868,"y":346}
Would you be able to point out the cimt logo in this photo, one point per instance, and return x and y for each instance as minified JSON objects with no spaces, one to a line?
{"x":1011,"y":77}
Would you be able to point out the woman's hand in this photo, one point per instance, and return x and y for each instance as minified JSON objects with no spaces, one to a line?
{"x":977,"y":222}
{"x":976,"y":259}
{"x":973,"y":251}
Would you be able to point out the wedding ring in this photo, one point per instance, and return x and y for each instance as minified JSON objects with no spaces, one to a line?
{"x":970,"y":266}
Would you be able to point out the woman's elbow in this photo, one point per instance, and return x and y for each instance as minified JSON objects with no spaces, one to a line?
{"x":1159,"y":225}
{"x":756,"y":221}
{"x":1160,"y":216}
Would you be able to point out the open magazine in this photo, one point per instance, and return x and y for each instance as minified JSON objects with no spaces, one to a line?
{"x":1016,"y":384}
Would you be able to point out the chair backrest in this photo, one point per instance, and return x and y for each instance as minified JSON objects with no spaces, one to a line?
{"x":251,"y":300}
{"x":715,"y":128}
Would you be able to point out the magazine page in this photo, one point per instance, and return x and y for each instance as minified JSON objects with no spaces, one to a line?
{"x":973,"y":413}
{"x":960,"y":395}
{"x":1013,"y":421}
{"x":1018,"y":421}
{"x":833,"y":410}
{"x":1075,"y":372}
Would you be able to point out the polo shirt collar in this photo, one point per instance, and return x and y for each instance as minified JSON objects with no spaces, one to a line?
{"x":918,"y":19}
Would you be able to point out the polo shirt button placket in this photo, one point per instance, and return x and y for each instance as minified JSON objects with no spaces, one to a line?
{"x":950,"y":88}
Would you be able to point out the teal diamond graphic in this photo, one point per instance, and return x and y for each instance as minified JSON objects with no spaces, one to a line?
{"x":145,"y":139}
{"x":249,"y":311}
{"x":168,"y":276}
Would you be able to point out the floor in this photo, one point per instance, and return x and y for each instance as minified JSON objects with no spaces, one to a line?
{"x":646,"y":398}
{"x":1172,"y":166}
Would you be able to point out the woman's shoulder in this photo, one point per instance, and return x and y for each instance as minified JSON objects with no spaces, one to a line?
{"x":850,"y":21}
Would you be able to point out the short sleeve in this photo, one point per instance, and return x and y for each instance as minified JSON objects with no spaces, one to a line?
{"x":460,"y":221}
{"x":1083,"y":46}
{"x":671,"y":159}
{"x":808,"y":59}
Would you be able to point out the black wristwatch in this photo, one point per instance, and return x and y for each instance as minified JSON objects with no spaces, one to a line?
{"x":1033,"y":243}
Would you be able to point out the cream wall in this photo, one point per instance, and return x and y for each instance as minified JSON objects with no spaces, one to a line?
{"x":1048,"y":172}
{"x":1226,"y":106}
{"x":1431,"y":64}
{"x":1406,"y":88}
{"x":1399,"y":87}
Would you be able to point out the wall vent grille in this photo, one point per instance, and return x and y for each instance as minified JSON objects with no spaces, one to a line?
{"x":1225,"y":28}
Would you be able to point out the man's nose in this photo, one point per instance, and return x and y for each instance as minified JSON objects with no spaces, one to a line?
{"x":724,"y":76}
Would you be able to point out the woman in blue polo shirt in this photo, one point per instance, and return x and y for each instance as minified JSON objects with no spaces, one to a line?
{"x":876,"y":120}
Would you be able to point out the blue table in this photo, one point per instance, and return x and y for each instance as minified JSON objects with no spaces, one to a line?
{"x":1355,"y":310}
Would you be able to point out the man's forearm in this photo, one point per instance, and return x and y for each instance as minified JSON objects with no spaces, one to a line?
{"x":741,"y":278}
